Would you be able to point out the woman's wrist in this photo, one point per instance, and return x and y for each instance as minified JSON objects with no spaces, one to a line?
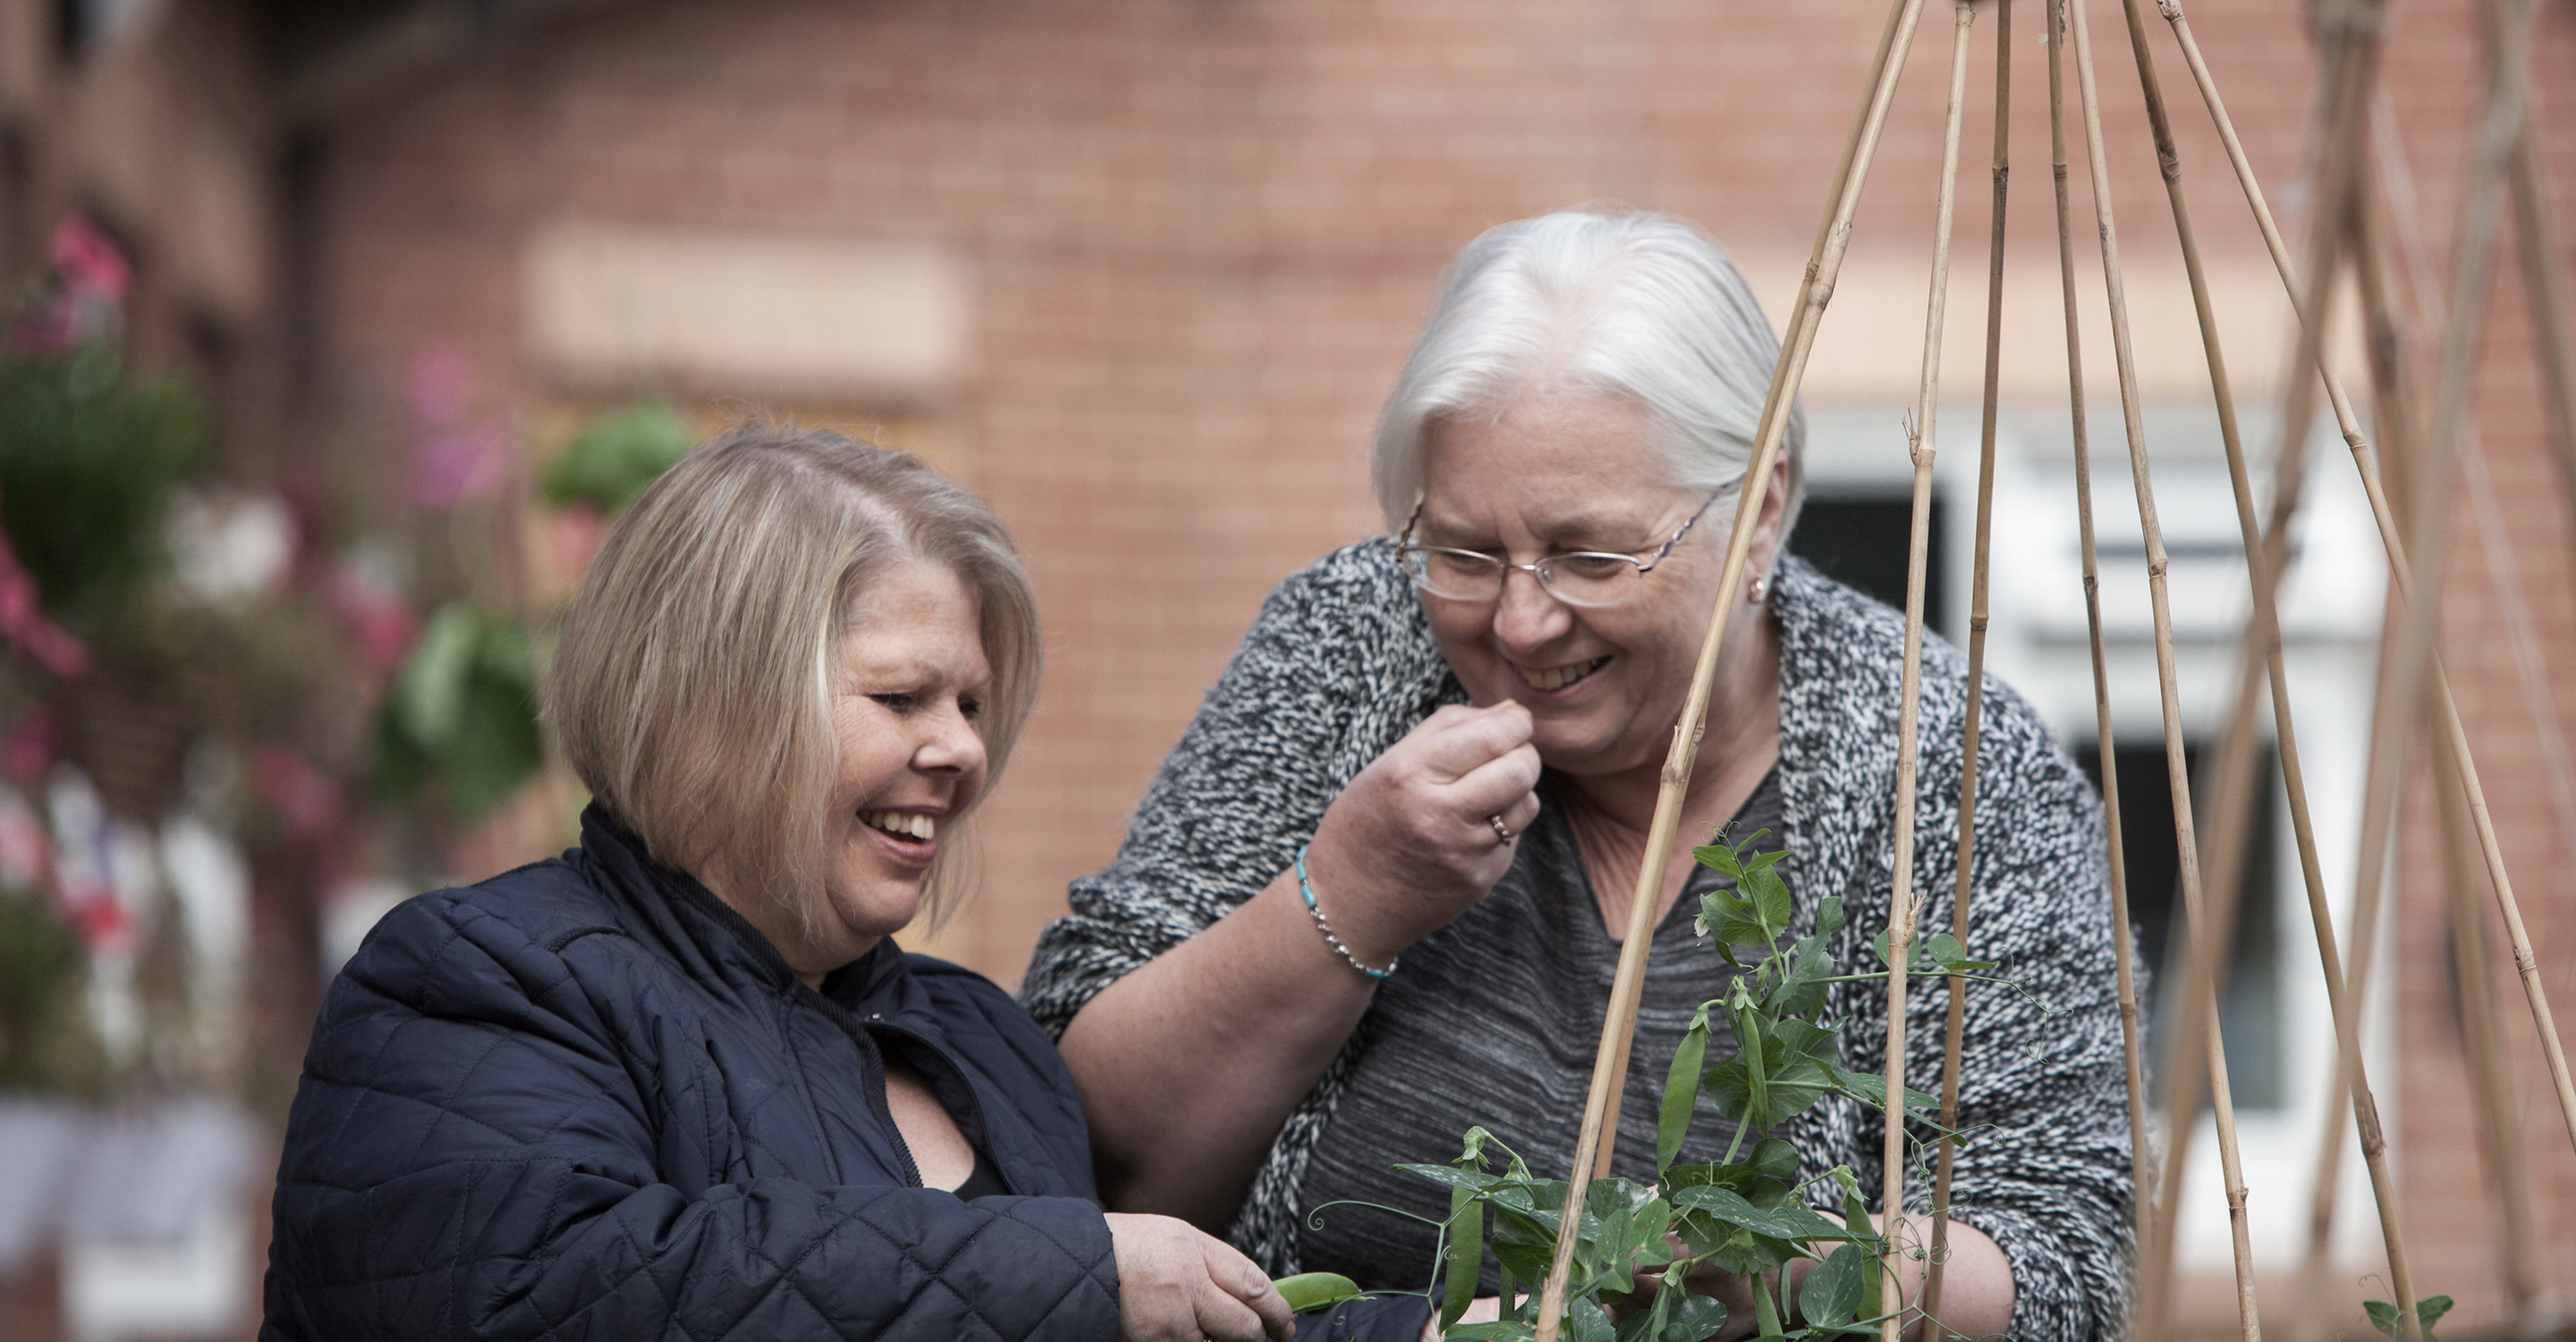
{"x":1324,"y":925}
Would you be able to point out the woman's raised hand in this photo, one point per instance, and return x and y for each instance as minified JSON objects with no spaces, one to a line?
{"x":1411,"y":843}
{"x":1179,"y":1284}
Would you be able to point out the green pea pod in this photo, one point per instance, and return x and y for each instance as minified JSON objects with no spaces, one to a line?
{"x":1315,"y":1290}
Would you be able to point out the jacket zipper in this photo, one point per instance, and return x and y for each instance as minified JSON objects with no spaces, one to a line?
{"x":873,"y":1081}
{"x":973,"y":1119}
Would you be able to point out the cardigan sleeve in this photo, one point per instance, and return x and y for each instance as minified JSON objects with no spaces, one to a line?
{"x":1337,"y":667}
{"x":474,"y":1154}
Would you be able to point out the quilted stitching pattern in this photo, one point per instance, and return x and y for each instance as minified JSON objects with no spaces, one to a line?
{"x":514,"y":1124}
{"x":1339,"y":665}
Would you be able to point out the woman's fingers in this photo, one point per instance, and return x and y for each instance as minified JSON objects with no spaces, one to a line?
{"x":1247,"y":1309}
{"x":1455,"y":742}
{"x":1178,"y":1284}
{"x":1497,"y":786}
{"x":1523,"y":813}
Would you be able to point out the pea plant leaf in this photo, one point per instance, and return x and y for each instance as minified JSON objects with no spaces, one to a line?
{"x":2383,"y":1315}
{"x":1747,"y":1216}
{"x":1694,"y":1318}
{"x":1768,"y":1096}
{"x":1731,"y":920}
{"x":1856,"y":1219}
{"x":1588,"y":1322}
{"x":1831,"y":1296}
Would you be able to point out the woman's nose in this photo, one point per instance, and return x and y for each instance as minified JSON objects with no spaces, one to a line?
{"x":1525,"y":615}
{"x":951,"y":745}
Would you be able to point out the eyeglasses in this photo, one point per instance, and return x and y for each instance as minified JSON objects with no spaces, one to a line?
{"x":1589,"y":578}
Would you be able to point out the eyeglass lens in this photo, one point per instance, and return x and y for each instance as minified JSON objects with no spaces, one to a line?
{"x":1576,"y":579}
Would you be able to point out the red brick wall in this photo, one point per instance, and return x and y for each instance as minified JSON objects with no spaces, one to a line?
{"x":1201,"y":234}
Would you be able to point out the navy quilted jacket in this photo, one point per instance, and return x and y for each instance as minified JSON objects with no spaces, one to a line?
{"x":587,"y":1100}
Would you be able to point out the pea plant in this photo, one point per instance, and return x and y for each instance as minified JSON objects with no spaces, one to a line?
{"x":1637,"y":1245}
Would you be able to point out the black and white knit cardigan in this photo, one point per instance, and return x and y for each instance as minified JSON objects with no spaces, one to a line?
{"x":1341,"y":664}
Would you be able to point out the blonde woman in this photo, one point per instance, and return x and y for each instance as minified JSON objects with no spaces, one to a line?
{"x":679,"y":1083}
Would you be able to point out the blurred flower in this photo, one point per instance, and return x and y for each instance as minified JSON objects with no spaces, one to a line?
{"x":441,"y":384}
{"x":26,"y":856}
{"x":85,"y":861}
{"x":88,"y":262}
{"x":364,"y":593}
{"x":453,"y":462}
{"x":304,"y":796}
{"x":90,"y":282}
{"x":29,"y":745}
{"x":231,"y":546}
{"x":23,"y":623}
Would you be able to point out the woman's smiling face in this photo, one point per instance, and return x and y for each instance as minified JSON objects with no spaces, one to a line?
{"x":909,"y":683}
{"x":1552,"y":474}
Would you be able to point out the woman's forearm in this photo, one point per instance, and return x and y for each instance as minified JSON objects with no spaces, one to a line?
{"x":1189,"y":1065}
{"x":1976,"y":1282}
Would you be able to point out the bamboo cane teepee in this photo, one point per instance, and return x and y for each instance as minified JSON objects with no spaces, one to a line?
{"x":2347,"y":236}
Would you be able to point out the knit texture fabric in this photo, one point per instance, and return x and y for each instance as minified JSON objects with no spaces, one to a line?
{"x":1340,"y":664}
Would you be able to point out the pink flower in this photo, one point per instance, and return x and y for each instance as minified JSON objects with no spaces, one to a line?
{"x":448,"y":469}
{"x":453,"y":461}
{"x":378,"y":618}
{"x":89,"y":264}
{"x":305,"y":797}
{"x":23,"y":622}
{"x":30,"y":745}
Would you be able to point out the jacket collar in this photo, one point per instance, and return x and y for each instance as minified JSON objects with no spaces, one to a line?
{"x":712,"y":938}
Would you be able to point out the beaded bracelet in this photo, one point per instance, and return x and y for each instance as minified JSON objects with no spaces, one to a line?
{"x":1308,"y":890}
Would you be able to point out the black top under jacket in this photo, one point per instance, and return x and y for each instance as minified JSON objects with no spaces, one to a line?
{"x":586,"y":1099}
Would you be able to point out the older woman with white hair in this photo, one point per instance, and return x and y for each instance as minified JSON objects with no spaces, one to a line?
{"x":1374,"y":895}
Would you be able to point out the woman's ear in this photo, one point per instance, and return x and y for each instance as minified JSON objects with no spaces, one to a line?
{"x":1766,"y":529}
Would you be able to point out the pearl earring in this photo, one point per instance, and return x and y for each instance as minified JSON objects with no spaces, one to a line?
{"x":1761,"y":588}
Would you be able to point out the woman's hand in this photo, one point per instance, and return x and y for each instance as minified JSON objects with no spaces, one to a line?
{"x":1189,"y":1065}
{"x":1410,"y":843}
{"x":1176,"y":1284}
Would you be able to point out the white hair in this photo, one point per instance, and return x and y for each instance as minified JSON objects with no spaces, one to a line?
{"x":1636,"y":304}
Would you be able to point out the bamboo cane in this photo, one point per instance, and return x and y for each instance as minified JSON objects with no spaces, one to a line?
{"x":2395,"y":414}
{"x":2510,"y":42}
{"x":2142,"y":1208}
{"x":2266,"y":555}
{"x":1903,"y":902}
{"x":2411,"y":665}
{"x":2544,"y":277}
{"x":2526,"y":963}
{"x":2506,"y":130}
{"x":1618,"y":1025}
{"x":1954,"y":1037}
{"x":2330,"y":1149}
{"x":2169,"y":694}
{"x":2491,"y":1088}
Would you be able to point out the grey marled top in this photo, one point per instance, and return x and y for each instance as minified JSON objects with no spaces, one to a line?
{"x":1340,"y":664}
{"x":1475,"y":1001}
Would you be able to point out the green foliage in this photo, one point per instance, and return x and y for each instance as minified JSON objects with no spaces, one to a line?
{"x":2383,"y":1315}
{"x":1746,"y":1214}
{"x":90,"y":456}
{"x":463,"y":714}
{"x":618,"y":456}
{"x":40,"y":971}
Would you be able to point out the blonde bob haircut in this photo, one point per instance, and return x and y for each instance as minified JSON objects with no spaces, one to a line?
{"x":692,"y":686}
